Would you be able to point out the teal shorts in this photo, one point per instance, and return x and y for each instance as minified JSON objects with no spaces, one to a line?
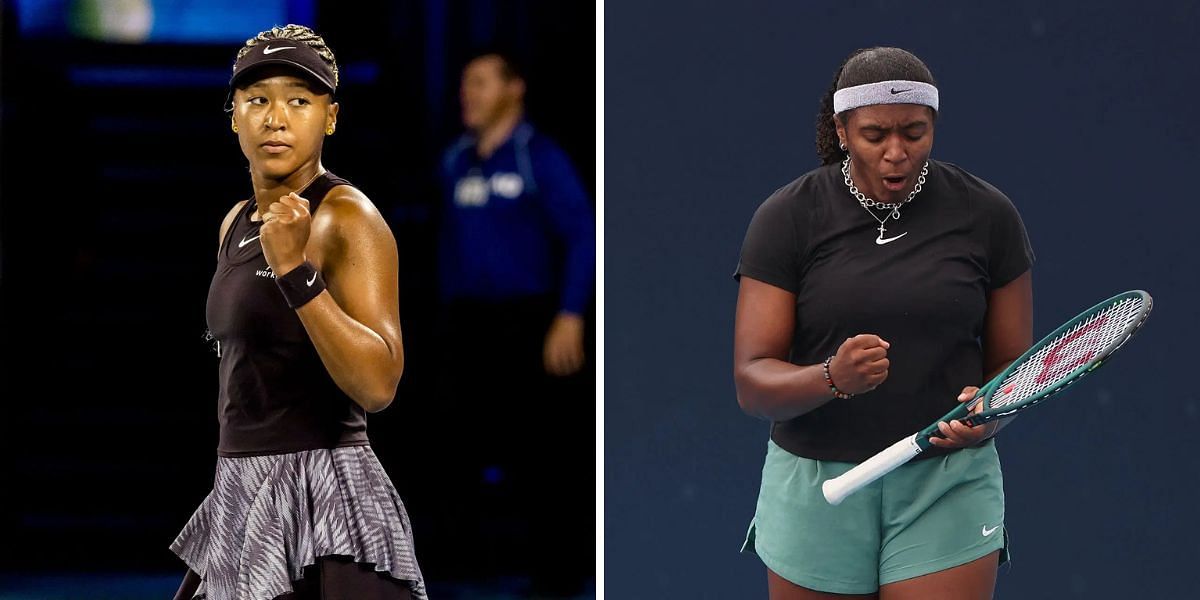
{"x":927,"y":516}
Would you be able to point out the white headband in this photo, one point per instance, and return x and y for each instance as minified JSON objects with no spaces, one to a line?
{"x":885,"y":92}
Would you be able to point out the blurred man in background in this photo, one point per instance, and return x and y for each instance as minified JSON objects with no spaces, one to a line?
{"x":517,"y":266}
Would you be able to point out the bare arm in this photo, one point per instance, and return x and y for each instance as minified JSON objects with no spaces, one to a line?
{"x":355,"y":323}
{"x":1008,"y":328}
{"x":1007,"y":334}
{"x":771,"y":387}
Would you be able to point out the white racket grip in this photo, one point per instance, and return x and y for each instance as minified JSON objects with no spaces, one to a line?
{"x":873,"y":468}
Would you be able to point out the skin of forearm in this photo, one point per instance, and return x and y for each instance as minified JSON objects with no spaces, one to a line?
{"x":359,"y":360}
{"x":777,"y":390}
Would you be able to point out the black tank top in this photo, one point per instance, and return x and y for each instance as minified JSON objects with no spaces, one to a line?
{"x":276,"y":395}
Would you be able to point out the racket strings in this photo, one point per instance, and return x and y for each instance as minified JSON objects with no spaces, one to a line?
{"x":1071,"y":349}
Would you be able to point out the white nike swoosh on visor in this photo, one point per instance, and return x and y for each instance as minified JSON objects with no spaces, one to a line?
{"x":247,"y":241}
{"x":987,"y":532}
{"x":270,"y":50}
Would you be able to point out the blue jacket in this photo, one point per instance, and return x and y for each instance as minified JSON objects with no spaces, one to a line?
{"x":518,"y":223}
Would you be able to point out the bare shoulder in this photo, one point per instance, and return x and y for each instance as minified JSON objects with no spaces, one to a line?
{"x":347,"y":213}
{"x":229,"y":217}
{"x":348,"y":227}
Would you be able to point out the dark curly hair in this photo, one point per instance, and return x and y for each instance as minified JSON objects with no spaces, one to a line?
{"x":866,"y":65}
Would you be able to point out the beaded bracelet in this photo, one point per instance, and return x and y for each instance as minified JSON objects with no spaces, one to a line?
{"x":839,"y":394}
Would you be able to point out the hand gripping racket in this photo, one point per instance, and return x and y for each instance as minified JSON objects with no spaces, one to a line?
{"x":1050,"y":366}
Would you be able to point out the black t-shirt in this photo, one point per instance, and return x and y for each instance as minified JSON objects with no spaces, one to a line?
{"x":925,"y":293}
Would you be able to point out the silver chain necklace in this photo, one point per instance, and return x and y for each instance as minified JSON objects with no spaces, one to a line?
{"x":868,"y":203}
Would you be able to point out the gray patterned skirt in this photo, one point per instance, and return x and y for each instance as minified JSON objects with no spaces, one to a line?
{"x":270,"y":516}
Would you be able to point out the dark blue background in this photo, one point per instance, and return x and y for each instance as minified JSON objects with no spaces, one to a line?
{"x":1084,"y":117}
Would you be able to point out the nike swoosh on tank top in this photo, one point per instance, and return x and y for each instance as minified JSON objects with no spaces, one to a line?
{"x":276,"y":395}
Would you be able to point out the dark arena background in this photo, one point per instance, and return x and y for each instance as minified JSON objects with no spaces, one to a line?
{"x":117,"y":167}
{"x":1081,"y":112}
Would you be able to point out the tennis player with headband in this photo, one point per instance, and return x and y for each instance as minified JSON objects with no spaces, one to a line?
{"x":304,"y":310}
{"x":875,"y":292}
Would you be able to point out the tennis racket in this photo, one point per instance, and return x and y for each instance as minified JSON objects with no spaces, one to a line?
{"x":1050,"y":366}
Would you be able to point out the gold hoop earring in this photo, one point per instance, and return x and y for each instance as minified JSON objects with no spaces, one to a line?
{"x":329,"y":131}
{"x":234,"y":125}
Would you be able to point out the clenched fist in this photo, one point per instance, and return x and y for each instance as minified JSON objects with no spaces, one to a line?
{"x":861,"y":364}
{"x":285,"y":232}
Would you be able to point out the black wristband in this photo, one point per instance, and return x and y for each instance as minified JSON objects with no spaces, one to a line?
{"x":300,"y":284}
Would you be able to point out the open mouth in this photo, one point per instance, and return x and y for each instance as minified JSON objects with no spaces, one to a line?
{"x":894,"y":183}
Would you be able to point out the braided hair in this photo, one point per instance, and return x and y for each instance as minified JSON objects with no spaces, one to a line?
{"x":866,"y":65}
{"x":294,"y":33}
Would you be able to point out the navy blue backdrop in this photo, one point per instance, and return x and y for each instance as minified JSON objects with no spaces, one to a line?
{"x":1082,"y":116}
